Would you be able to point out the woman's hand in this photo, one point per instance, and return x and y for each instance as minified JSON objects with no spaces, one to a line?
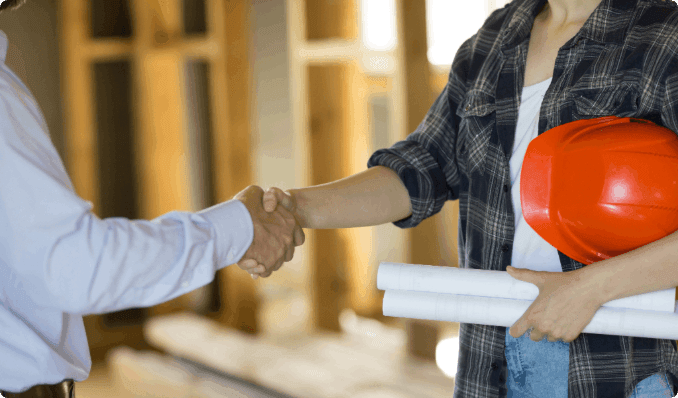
{"x":566,"y":303}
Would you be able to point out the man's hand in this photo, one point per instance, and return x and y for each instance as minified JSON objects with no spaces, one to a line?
{"x":275,"y":235}
{"x":565,"y":305}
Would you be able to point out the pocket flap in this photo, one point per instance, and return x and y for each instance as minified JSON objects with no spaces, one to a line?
{"x":476,"y":104}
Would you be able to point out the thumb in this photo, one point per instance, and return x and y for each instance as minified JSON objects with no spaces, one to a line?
{"x":522,"y":274}
{"x":275,"y":196}
{"x":270,"y":200}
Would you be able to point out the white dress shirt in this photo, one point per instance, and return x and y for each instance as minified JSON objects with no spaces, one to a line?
{"x":59,"y":261}
{"x":530,"y":250}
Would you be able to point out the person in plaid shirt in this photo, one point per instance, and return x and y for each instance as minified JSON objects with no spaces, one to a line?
{"x":533,"y":65}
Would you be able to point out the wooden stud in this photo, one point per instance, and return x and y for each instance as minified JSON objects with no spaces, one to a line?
{"x":164,"y":183}
{"x":438,"y":80}
{"x":231,"y":110}
{"x":79,"y":125}
{"x":331,"y":19}
{"x":328,"y":163}
{"x":424,"y":247}
{"x":331,"y":115}
{"x":301,"y":127}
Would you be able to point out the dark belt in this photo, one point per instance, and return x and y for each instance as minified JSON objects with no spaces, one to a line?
{"x":65,"y":389}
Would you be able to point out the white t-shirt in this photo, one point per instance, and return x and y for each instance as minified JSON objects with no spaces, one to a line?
{"x":529,"y":249}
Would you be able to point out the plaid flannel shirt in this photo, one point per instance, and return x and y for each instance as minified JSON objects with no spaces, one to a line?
{"x":623,"y":62}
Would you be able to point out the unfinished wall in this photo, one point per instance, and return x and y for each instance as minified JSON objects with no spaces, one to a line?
{"x":33,"y":54}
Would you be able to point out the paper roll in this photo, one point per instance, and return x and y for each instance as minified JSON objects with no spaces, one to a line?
{"x":505,"y":312}
{"x":497,"y":284}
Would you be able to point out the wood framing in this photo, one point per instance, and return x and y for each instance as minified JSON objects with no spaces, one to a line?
{"x":158,"y":52}
{"x":424,"y":246}
{"x":301,"y":125}
{"x":231,"y":145}
{"x":159,"y":123}
{"x":79,"y":126}
{"x":331,"y":117}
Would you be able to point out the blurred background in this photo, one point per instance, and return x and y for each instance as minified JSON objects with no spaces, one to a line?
{"x":161,"y":105}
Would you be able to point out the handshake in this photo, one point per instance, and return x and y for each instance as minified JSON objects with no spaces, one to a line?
{"x":373,"y":197}
{"x":276,"y":230}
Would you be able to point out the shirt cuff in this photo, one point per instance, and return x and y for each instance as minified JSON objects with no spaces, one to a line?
{"x":234,"y":230}
{"x":408,"y":175}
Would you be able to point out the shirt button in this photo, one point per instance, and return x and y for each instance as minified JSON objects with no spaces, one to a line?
{"x":505,"y":248}
{"x":185,"y":284}
{"x":505,"y":188}
{"x":494,"y":366}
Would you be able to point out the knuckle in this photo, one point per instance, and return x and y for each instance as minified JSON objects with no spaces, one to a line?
{"x":545,"y":326}
{"x":287,"y":239}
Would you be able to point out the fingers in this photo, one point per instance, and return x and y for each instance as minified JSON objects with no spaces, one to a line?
{"x":555,"y":336}
{"x":266,"y":274}
{"x":299,"y":236}
{"x":535,"y":335}
{"x":247,"y":264}
{"x":270,"y":200}
{"x":278,"y":232}
{"x":519,"y":328}
{"x":274,"y":196}
{"x":251,"y":266}
{"x":253,"y":191}
{"x":289,"y":254}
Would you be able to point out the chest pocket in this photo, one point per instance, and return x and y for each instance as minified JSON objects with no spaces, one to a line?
{"x":477,"y":114}
{"x":621,"y":100}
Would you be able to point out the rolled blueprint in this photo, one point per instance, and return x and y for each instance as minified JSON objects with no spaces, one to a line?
{"x":497,"y":284}
{"x":505,"y":312}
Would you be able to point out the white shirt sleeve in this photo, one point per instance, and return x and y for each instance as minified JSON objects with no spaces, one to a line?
{"x":69,"y":259}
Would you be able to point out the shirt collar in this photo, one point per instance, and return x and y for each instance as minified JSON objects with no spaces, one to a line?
{"x":607,"y":23}
{"x":520,"y":23}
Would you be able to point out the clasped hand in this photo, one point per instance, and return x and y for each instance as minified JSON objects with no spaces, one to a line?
{"x":276,"y":233}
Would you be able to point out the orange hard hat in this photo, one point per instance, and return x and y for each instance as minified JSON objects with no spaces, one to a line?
{"x":598,"y":188}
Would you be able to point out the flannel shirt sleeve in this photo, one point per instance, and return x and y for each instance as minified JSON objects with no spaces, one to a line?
{"x":426,"y":161}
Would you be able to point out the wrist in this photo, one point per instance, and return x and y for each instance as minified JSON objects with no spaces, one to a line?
{"x":301,"y":207}
{"x":597,"y":282}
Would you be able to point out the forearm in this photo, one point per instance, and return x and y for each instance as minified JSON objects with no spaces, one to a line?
{"x":112,"y":264}
{"x":372,"y":197}
{"x":646,"y":269}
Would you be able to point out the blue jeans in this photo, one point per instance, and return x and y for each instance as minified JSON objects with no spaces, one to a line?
{"x":539,"y":369}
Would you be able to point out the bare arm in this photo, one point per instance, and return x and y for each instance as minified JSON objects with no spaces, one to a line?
{"x":372,"y":197}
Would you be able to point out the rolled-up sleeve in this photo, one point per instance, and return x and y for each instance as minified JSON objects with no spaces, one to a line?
{"x":426,"y":161}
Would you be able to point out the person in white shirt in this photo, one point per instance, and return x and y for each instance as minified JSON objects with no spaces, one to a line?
{"x":59,"y":261}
